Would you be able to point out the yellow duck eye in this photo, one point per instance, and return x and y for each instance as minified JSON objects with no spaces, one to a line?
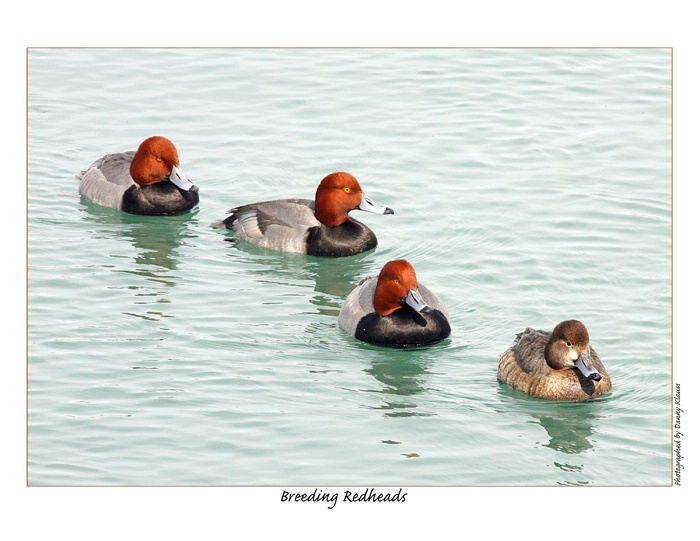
{"x":347,"y":190}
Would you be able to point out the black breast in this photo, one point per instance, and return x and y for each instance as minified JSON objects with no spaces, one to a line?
{"x":349,"y":238}
{"x":403,"y":328}
{"x":161,"y":199}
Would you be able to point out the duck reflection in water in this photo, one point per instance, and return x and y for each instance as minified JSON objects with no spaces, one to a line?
{"x":401,"y":375}
{"x":157,"y":242}
{"x":332,"y":279}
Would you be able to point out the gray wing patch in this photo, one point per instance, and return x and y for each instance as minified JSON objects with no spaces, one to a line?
{"x":255,"y":222}
{"x":358,"y":303}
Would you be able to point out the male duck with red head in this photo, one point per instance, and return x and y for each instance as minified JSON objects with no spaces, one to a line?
{"x":557,"y":365}
{"x":394,"y":310}
{"x":148,"y":181}
{"x":321,"y":227}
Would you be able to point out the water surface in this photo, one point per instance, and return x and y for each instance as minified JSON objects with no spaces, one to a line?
{"x":529,"y":185}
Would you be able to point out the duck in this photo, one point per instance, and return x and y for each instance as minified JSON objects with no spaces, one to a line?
{"x":319,"y":227}
{"x":148,"y":181}
{"x":394,"y":310}
{"x":556,"y":365}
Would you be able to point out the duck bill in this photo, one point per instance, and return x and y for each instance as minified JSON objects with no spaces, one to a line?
{"x":584,"y":364}
{"x":415,"y":301}
{"x":180,"y":180}
{"x":368,"y":205}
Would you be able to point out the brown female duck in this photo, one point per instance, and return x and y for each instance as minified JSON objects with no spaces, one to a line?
{"x":557,"y":365}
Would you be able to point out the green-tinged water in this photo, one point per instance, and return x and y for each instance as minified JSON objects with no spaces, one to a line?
{"x":529,"y":186}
